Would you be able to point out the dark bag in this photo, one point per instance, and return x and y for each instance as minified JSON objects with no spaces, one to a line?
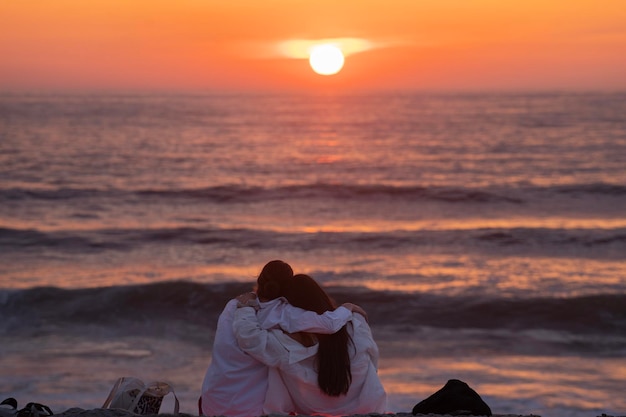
{"x":455,"y":398}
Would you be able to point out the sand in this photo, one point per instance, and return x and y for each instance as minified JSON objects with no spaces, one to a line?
{"x":99,"y":412}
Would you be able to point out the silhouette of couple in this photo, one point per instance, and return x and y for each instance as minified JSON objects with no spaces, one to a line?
{"x":288,"y":349}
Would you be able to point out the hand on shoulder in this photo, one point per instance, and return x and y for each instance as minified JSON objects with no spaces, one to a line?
{"x":355,"y":309}
{"x":247,"y":299}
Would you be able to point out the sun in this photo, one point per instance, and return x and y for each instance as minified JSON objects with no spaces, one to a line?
{"x":326,"y":59}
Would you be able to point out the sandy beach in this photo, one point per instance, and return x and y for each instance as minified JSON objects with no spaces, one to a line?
{"x":99,"y":412}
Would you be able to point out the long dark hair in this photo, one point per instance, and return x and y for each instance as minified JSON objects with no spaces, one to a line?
{"x":273,"y":280}
{"x":333,"y":359}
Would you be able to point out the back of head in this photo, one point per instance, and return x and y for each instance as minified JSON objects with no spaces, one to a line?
{"x":274,"y":280}
{"x":333,"y":359}
{"x":306,"y":293}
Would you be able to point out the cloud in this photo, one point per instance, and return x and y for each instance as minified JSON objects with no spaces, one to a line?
{"x":301,"y":48}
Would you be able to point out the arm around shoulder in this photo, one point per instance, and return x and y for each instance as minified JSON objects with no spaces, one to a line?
{"x":252,"y":339}
{"x":355,"y":309}
{"x":299,"y":320}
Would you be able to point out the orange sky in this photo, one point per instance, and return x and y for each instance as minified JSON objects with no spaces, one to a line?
{"x":233,"y":45}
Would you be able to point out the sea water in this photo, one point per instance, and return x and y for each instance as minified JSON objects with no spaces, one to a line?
{"x":485,"y":235}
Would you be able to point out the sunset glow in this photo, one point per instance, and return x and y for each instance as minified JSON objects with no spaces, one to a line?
{"x":244,"y":45}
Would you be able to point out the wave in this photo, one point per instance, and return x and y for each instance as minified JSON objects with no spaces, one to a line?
{"x":504,"y":198}
{"x":549,"y":241}
{"x":593,"y":189}
{"x":110,"y":305}
{"x":244,"y":194}
{"x":338,"y":191}
{"x":181,"y":301}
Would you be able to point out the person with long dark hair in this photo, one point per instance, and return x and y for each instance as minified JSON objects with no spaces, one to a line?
{"x":313,"y":373}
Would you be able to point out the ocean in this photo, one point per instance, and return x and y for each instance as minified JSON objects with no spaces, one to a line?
{"x":485,"y":235}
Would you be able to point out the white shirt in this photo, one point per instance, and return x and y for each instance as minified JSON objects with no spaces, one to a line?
{"x":293,"y":383}
{"x":235,"y":383}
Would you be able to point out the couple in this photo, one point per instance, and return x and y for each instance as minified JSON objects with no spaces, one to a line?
{"x":291,"y":351}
